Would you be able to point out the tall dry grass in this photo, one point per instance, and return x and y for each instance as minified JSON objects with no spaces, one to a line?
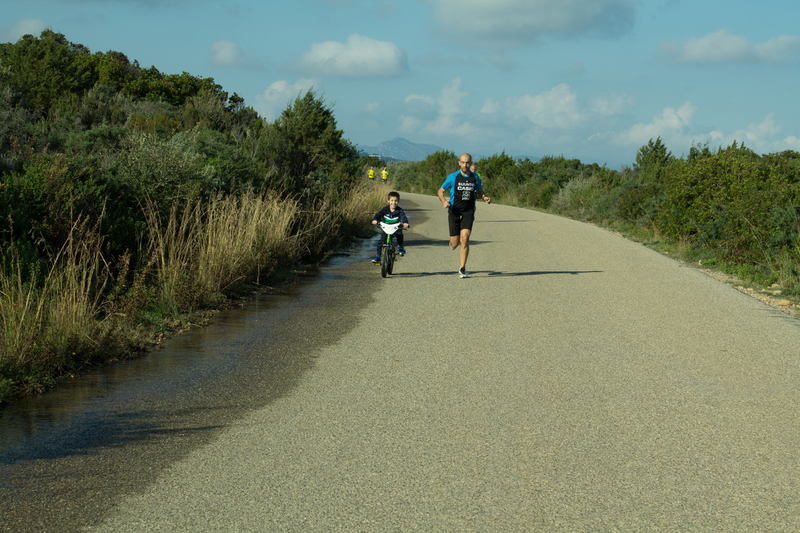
{"x":245,"y":237}
{"x":323,"y":226}
{"x":49,"y":325}
{"x":193,"y":255}
{"x":206,"y":248}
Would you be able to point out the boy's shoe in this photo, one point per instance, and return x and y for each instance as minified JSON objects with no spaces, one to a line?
{"x":377,"y":259}
{"x":463,"y":272}
{"x":401,"y":250}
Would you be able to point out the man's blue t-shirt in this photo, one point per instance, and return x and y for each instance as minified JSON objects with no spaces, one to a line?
{"x":462,"y":190}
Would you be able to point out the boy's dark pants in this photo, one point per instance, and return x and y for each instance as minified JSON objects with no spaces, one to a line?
{"x":398,"y":236}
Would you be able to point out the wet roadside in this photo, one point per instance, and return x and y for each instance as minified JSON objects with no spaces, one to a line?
{"x":67,"y":456}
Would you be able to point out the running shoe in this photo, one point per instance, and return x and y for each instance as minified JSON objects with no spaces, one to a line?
{"x":463,"y":272}
{"x":401,"y":250}
{"x":377,"y":259}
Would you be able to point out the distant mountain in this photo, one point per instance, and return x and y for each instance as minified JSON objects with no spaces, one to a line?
{"x":400,"y":149}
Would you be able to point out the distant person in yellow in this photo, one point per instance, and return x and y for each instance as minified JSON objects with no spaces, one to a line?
{"x":371,"y":173}
{"x":384,"y":175}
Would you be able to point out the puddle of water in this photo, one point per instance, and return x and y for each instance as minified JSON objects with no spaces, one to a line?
{"x":179,"y":361}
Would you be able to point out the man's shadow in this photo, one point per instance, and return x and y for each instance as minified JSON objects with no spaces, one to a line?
{"x":422,"y":243}
{"x":496,"y":273}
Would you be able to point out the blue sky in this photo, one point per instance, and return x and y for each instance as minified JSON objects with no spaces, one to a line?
{"x":587,"y":79}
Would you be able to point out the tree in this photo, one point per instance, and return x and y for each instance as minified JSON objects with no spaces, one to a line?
{"x":439,"y":164}
{"x":304,"y":142}
{"x":43,"y":69}
{"x":114,"y":70}
{"x":495,"y":166}
{"x":652,"y":160}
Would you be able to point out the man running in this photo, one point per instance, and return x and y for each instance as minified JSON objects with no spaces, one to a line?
{"x":464,"y":186}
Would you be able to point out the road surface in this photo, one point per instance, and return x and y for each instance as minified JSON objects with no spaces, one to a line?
{"x":574,"y":382}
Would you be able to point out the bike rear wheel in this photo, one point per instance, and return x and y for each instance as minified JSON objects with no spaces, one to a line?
{"x":384,"y":261}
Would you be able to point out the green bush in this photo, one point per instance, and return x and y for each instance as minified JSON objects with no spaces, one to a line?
{"x":536,"y":193}
{"x":637,"y":201}
{"x":497,"y":166}
{"x":41,"y":202}
{"x":426,"y":176}
{"x":735,"y":202}
{"x":577,"y":198}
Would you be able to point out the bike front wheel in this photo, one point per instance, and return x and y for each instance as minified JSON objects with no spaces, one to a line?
{"x":384,"y":261}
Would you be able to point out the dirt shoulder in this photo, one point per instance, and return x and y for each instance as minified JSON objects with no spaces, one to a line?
{"x":772,"y":296}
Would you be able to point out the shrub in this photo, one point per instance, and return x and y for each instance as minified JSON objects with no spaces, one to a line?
{"x":496,"y":167}
{"x":735,"y":202}
{"x":652,"y":161}
{"x":537,"y":194}
{"x":576,"y":198}
{"x":637,"y":201}
{"x":42,"y":201}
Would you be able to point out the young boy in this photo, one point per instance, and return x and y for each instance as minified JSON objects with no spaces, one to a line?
{"x":391,"y":214}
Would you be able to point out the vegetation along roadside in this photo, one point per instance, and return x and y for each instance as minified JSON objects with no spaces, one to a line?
{"x":132,"y":201}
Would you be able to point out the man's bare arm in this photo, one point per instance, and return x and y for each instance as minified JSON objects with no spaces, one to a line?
{"x":445,"y":203}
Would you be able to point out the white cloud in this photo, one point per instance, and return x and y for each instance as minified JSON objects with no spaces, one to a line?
{"x":229,"y":54}
{"x":423,"y":98}
{"x":409,"y":124}
{"x":373,"y":107}
{"x":792,"y":143}
{"x":421,"y":107}
{"x":675,"y":129}
{"x":506,"y":23}
{"x":726,"y":47}
{"x":440,"y":116}
{"x":450,"y":99}
{"x":612,"y":104}
{"x":23,"y":27}
{"x":359,"y":57}
{"x":556,"y":121}
{"x":557,"y":108}
{"x":491,"y":106}
{"x":762,"y":138}
{"x":671,"y":124}
{"x":277,"y":97}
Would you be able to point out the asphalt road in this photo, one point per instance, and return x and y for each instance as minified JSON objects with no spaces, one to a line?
{"x":575,"y":382}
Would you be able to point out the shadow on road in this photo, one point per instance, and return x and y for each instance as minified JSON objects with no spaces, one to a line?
{"x":100,"y":430}
{"x":494,"y":273}
{"x":441,"y":243}
{"x":536,"y":272}
{"x":506,"y":221}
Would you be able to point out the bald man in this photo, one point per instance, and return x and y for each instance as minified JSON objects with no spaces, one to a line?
{"x":464,"y":186}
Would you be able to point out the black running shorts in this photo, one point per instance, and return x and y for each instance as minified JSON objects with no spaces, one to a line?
{"x":458,"y":222}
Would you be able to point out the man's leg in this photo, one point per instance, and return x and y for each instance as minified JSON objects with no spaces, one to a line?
{"x":464,"y":246}
{"x":454,"y":225}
